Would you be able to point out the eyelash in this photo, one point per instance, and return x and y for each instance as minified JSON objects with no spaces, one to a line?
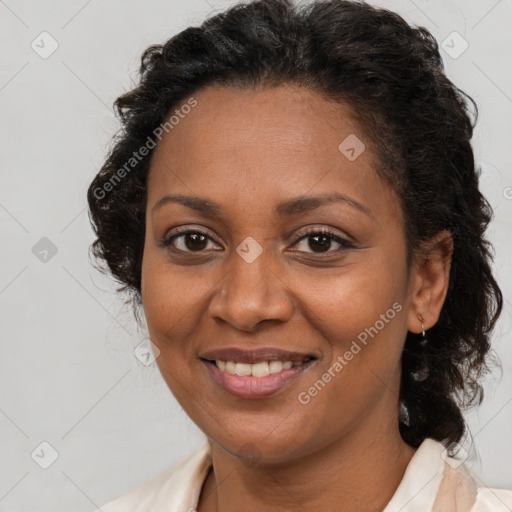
{"x":345,"y":244}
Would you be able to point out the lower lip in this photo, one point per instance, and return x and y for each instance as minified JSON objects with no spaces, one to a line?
{"x":255,"y":387}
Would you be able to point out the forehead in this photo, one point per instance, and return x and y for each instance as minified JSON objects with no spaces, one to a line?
{"x":284,"y":122}
{"x":249,"y":145}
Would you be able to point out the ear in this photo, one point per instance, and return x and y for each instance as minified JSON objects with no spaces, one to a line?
{"x":430,"y":275}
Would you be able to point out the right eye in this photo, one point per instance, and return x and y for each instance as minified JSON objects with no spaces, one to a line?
{"x":188,"y":241}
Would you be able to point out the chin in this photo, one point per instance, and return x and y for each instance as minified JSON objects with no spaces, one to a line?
{"x":254,"y":446}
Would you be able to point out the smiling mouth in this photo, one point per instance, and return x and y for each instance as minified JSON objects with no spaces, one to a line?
{"x":257,"y":373}
{"x":260,"y":369}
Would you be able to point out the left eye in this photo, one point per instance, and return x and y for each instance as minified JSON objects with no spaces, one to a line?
{"x":322,"y":239}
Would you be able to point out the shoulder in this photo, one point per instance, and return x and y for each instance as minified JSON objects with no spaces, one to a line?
{"x":489,"y":499}
{"x":170,"y":490}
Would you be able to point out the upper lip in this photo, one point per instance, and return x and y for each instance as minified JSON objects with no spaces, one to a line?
{"x":255,"y":355}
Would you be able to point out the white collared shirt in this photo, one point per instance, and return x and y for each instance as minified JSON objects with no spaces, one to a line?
{"x":432,"y":482}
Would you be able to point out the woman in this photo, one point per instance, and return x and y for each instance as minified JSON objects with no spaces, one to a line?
{"x":293,"y":202}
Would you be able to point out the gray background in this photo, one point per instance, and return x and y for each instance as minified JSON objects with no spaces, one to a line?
{"x":68,"y":374}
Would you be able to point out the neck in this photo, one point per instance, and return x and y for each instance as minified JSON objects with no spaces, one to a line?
{"x":360,"y":471}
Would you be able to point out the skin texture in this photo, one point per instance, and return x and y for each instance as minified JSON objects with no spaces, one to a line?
{"x":249,"y":150}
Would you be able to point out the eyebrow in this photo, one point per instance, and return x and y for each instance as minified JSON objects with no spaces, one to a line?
{"x":288,"y":208}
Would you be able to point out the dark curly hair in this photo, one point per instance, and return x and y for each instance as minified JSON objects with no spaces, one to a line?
{"x":419,"y":123}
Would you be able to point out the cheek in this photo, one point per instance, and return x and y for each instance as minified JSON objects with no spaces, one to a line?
{"x":347,"y":304}
{"x":171,"y":301}
{"x":171,"y":296}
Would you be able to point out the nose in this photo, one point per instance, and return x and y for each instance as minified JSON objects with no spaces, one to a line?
{"x":250,"y":294}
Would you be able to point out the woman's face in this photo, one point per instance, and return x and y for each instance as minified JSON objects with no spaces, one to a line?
{"x":256,"y":284}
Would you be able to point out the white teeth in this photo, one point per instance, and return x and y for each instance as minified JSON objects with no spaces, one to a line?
{"x":260,"y":369}
{"x":243,"y":369}
{"x":275,"y":366}
{"x":255,"y":370}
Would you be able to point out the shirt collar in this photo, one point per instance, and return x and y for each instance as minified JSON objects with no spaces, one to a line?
{"x":422,"y":478}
